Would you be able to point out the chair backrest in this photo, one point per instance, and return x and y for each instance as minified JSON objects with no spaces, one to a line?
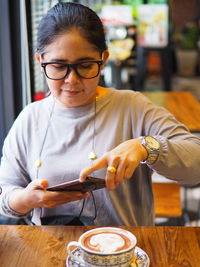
{"x":167,"y":199}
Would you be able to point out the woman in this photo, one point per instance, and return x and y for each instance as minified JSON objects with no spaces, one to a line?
{"x":84,"y":129}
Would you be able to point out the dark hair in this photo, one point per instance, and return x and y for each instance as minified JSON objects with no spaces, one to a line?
{"x":66,"y":16}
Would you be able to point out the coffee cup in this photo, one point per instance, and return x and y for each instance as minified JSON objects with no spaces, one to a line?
{"x":104,"y":246}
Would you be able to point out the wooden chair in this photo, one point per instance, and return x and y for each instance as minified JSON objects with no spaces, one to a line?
{"x":167,"y":198}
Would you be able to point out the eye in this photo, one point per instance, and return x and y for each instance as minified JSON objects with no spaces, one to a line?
{"x":86,"y":65}
{"x":58,"y":66}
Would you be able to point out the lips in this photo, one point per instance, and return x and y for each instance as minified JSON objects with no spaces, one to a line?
{"x":71,"y":92}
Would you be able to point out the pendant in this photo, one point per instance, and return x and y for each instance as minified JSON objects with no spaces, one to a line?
{"x":92,"y":156}
{"x":38,"y":163}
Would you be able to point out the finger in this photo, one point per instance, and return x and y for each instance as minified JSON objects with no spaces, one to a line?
{"x":44,"y":183}
{"x":64,"y":194}
{"x":129,"y":171}
{"x":58,"y":198}
{"x":98,"y":164}
{"x":72,"y":196}
{"x":77,"y":194}
{"x":119,"y":177}
{"x":38,"y":184}
{"x":110,"y":180}
{"x":86,"y":195}
{"x":110,"y":176}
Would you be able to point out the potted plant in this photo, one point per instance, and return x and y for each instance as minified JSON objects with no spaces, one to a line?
{"x":186,"y":41}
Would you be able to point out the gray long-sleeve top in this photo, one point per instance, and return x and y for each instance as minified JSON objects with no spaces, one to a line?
{"x":64,"y":138}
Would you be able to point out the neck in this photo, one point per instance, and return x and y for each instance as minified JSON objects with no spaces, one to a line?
{"x":100,"y":92}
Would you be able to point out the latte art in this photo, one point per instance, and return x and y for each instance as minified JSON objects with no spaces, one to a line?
{"x":107,"y":242}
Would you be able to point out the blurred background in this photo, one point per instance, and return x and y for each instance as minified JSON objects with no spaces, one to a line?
{"x":154,"y":46}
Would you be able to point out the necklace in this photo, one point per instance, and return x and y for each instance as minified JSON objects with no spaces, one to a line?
{"x":92,"y":155}
{"x":38,"y":162}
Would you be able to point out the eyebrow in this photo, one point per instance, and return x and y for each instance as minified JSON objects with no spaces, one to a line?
{"x":77,"y":60}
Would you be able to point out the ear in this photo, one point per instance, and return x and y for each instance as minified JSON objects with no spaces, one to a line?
{"x":105,"y":56}
{"x":39,"y":60}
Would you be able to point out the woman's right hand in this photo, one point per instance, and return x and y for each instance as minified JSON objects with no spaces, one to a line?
{"x":35,"y":195}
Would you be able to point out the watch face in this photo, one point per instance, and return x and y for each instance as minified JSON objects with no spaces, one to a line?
{"x":152,"y":142}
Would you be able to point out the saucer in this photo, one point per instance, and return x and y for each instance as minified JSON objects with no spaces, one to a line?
{"x":142,"y":259}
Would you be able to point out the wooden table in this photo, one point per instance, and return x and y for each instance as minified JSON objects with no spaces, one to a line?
{"x":183,"y":105}
{"x":45,"y":246}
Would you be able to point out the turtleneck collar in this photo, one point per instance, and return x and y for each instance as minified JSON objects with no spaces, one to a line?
{"x":78,"y":111}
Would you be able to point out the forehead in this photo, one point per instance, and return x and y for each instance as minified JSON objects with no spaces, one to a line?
{"x":70,"y":46}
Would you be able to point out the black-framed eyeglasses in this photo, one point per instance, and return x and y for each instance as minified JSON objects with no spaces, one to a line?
{"x":85,"y":69}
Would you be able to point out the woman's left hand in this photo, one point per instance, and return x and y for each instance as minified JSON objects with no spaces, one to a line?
{"x":124,"y":158}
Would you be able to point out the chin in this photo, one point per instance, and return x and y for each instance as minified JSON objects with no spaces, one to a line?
{"x":73,"y":102}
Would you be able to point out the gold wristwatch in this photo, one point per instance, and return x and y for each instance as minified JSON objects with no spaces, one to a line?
{"x":152,"y":146}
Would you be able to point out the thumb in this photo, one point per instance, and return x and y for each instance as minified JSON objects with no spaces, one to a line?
{"x":39,"y":184}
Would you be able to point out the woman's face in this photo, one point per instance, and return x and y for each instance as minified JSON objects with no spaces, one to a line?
{"x":71,"y":47}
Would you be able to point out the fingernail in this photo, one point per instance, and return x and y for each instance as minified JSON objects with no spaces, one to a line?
{"x":44,"y":183}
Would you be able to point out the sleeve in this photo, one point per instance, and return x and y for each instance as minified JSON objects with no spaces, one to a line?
{"x":13,"y":171}
{"x":179,"y":159}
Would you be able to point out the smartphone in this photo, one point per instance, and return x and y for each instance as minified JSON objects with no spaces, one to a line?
{"x":90,"y":184}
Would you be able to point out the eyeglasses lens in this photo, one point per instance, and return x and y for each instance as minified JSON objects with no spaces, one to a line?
{"x":85,"y":70}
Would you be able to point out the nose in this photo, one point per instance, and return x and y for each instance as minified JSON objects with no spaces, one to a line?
{"x":71,"y":76}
